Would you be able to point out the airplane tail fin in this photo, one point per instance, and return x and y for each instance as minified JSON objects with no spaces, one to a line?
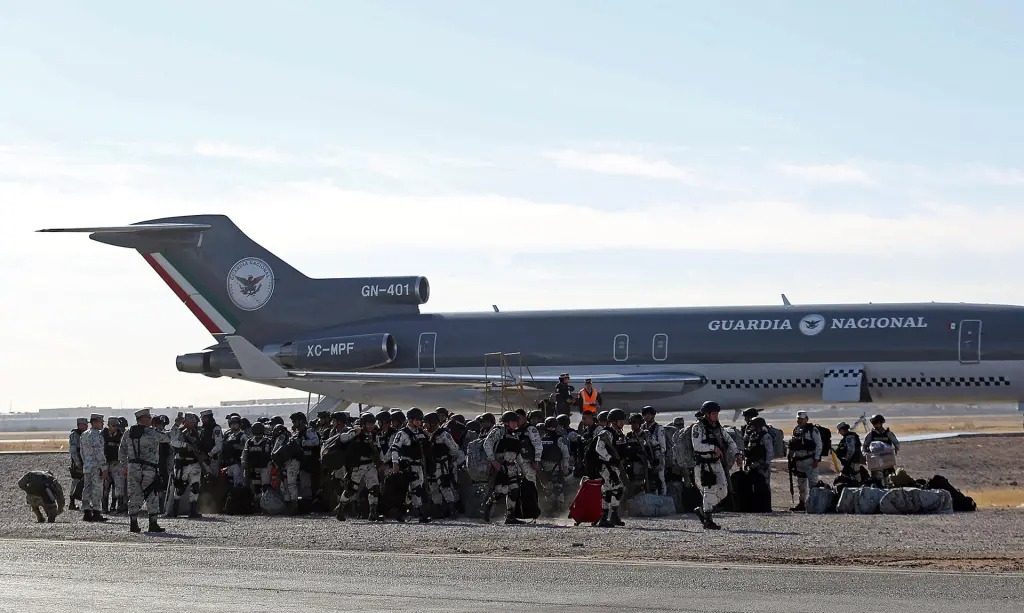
{"x":235,"y":286}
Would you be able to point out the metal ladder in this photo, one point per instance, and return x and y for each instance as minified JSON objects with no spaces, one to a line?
{"x":509,"y":380}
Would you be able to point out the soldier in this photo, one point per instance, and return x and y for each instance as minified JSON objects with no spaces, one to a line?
{"x":554,"y":464}
{"x":636,"y":455}
{"x":115,"y":486}
{"x":43,"y":491}
{"x":849,"y":452}
{"x":758,"y":452}
{"x":406,"y":455}
{"x":606,"y":456}
{"x":360,"y":473}
{"x":74,"y":450}
{"x":385,"y":435}
{"x":501,"y":446}
{"x":160,"y":423}
{"x":298,"y":471}
{"x":246,"y":428}
{"x":140,"y":452}
{"x":880,"y":434}
{"x":487,"y":421}
{"x":529,"y":450}
{"x":211,"y":431}
{"x":94,"y":469}
{"x":710,"y":446}
{"x":256,"y":460}
{"x":563,"y":394}
{"x":337,"y":425}
{"x":602,"y":419}
{"x":189,"y":463}
{"x":231,"y":453}
{"x":572,"y":440}
{"x":656,"y":437}
{"x":804,"y":457}
{"x":398,"y":419}
{"x":444,"y":456}
{"x":748,"y":415}
{"x":586,"y":430}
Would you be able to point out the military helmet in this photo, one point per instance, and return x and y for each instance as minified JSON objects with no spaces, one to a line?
{"x":843,"y":426}
{"x":398,"y":414}
{"x":509,"y":416}
{"x":878,"y":419}
{"x":279,"y":429}
{"x":551,"y":422}
{"x":709,"y":407}
{"x":459,"y":417}
{"x":751,"y":413}
{"x":636,"y":418}
{"x":258,"y":429}
{"x":648,"y":410}
{"x":414,"y":413}
{"x":384,"y":416}
{"x":443,"y":412}
{"x":277,"y":420}
{"x":616,"y":415}
{"x":297,"y":416}
{"x":759,"y":422}
{"x":367,"y":418}
{"x":602,"y":416}
{"x":432,"y":418}
{"x":234,"y":420}
{"x":246,"y":424}
{"x":564,"y":420}
{"x":339,"y":415}
{"x":535,"y":414}
{"x":679,"y":422}
{"x":489,"y":417}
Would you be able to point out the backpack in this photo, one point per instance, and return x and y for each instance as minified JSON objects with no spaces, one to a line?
{"x":670,"y":443}
{"x":779,"y":442}
{"x":961,"y":503}
{"x":826,"y":440}
{"x":333,"y":453}
{"x":683,"y":447}
{"x":476,"y":461}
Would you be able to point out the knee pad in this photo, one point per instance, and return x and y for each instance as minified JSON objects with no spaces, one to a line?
{"x":179,"y":487}
{"x":417,"y":491}
{"x":374,"y":491}
{"x":513,"y":495}
{"x":194,"y":488}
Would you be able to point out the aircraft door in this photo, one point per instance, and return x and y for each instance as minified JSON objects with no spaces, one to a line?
{"x":970,"y":341}
{"x":427,"y":353}
{"x":845,"y":383}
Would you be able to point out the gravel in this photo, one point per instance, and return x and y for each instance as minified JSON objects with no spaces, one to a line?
{"x":990,"y":539}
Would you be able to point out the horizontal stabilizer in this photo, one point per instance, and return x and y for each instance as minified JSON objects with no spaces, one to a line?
{"x":255,"y":364}
{"x":145,"y":227}
{"x":425,"y":378}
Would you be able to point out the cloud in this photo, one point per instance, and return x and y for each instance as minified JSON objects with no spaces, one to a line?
{"x":1003,"y":176}
{"x":621,"y":164}
{"x":43,"y":163}
{"x":267,"y":155}
{"x":827,"y":173}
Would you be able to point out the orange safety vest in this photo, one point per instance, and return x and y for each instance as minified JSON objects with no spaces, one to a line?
{"x":589,"y":401}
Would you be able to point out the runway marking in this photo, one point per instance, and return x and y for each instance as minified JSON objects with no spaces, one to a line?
{"x":544,"y":559}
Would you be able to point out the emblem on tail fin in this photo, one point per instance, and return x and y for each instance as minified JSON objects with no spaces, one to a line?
{"x":250,"y":283}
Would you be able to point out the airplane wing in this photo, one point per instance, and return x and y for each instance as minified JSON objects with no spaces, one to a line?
{"x":257,"y":365}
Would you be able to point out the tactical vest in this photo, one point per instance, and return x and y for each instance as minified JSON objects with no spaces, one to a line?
{"x":231,"y":453}
{"x":438,"y":449}
{"x":525,"y":444}
{"x":206,"y":440}
{"x":753,"y":446}
{"x":258,"y":452}
{"x":652,"y":431}
{"x":803,"y":440}
{"x":362,"y":450}
{"x":713,"y":435}
{"x":111,"y":443}
{"x":551,"y":452}
{"x":508,"y":444}
{"x":858,"y":455}
{"x":412,"y":450}
{"x":185,"y":454}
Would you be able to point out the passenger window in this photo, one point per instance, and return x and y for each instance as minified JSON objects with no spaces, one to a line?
{"x":621,"y":348}
{"x":659,"y":347}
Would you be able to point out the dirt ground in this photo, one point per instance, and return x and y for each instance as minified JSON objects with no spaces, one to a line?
{"x":990,"y":539}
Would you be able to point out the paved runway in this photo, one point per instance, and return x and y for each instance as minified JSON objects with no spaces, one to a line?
{"x":76,"y":576}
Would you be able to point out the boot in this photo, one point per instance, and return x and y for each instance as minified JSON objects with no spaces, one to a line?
{"x":709,"y":523}
{"x":699,"y":512}
{"x":193,"y":513}
{"x":134,"y":523}
{"x":486,"y":511}
{"x":73,"y":506}
{"x":87,"y":516}
{"x":122,"y":506}
{"x":39,"y":516}
{"x":153,"y":526}
{"x":512,"y":521}
{"x":340,"y":516}
{"x":372,"y":515}
{"x":615,"y":518}
{"x":293,"y":508}
{"x":106,"y":505}
{"x":97,"y":517}
{"x":798,"y":508}
{"x":606,"y":520}
{"x":424,"y":518}
{"x":400,"y":515}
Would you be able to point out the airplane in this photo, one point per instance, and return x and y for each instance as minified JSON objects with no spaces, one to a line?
{"x":365,"y":340}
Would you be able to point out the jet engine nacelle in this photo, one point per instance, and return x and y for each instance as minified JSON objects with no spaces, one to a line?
{"x":394,"y":290}
{"x":336,"y":353}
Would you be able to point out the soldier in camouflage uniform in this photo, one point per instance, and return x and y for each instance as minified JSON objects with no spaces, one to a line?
{"x":74,"y":450}
{"x":188,"y":467}
{"x":94,"y":469}
{"x":446,"y":456}
{"x":361,"y":472}
{"x":406,"y":456}
{"x":43,"y":491}
{"x":502,"y":450}
{"x":140,"y":452}
{"x":231,"y":453}
{"x":113,"y":488}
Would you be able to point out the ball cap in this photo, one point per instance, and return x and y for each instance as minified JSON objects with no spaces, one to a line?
{"x":83,"y":420}
{"x":801,"y":414}
{"x":141,"y":413}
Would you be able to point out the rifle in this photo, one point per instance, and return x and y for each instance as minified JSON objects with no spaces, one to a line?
{"x":200,"y":456}
{"x":792,"y":496}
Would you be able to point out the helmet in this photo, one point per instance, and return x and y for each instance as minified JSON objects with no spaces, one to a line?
{"x":877,"y":419}
{"x":509,"y":416}
{"x":843,"y":426}
{"x":751,"y":413}
{"x":551,"y":422}
{"x":264,"y":420}
{"x":367,"y":418}
{"x":488,"y":417}
{"x":602,"y":416}
{"x":414,"y":413}
{"x":297,"y":416}
{"x":648,"y":410}
{"x":709,"y":406}
{"x":636,"y":418}
{"x":234,"y":420}
{"x":759,"y":422}
{"x":459,"y":418}
{"x":397,"y":415}
{"x":563,"y":420}
{"x":431,"y":418}
{"x":442,"y":411}
{"x":384,"y":416}
{"x":616,"y":415}
{"x":535,"y":415}
{"x":279,"y":429}
{"x":246,"y":424}
{"x":163,"y":419}
{"x":339,"y":415}
{"x":258,"y":429}
{"x":679,"y":422}
{"x":276,"y":420}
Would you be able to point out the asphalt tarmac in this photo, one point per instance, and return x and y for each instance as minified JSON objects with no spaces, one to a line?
{"x":50,"y":576}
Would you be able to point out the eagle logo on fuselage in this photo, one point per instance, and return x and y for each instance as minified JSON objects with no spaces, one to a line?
{"x":812,"y":325}
{"x":250,"y":283}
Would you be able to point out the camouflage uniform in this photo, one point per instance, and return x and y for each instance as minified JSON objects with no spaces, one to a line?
{"x":362,"y":474}
{"x":43,"y":491}
{"x":94,"y":462}
{"x":658,"y":445}
{"x":115,"y":486}
{"x":74,"y":450}
{"x":503,"y":446}
{"x":407,"y":453}
{"x":554,"y":468}
{"x":298,"y":482}
{"x":256,"y":462}
{"x":714,"y":485}
{"x":188,"y":471}
{"x":609,"y":441}
{"x":231,"y":457}
{"x":805,"y":452}
{"x":140,"y":452}
{"x":446,"y":455}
